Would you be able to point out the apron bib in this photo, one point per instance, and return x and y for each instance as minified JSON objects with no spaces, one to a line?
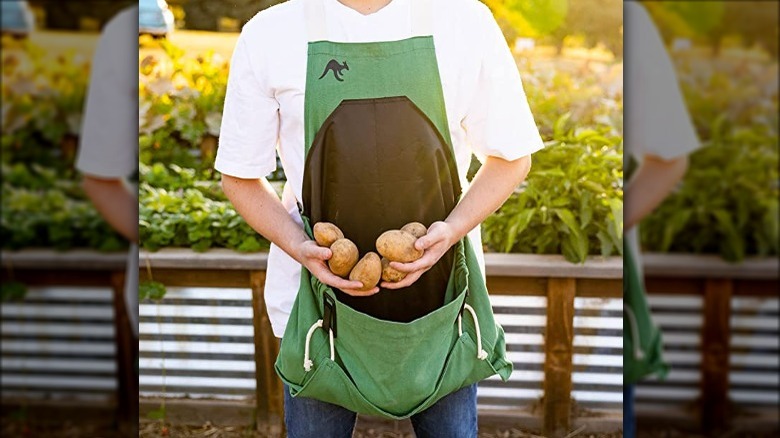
{"x":642,"y":343}
{"x":379,"y":155}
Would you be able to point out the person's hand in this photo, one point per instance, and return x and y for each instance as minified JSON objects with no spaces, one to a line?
{"x":439,"y":239}
{"x":313,"y":257}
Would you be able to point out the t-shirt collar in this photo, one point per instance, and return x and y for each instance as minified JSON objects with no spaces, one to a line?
{"x":345,"y":10}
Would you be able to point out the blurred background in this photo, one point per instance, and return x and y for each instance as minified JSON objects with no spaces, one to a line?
{"x":711,"y":247}
{"x":205,"y":345}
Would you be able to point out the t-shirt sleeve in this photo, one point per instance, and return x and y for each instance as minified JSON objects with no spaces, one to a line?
{"x":108,"y":146}
{"x":250,"y":119}
{"x":498,"y":121}
{"x":656,"y":119}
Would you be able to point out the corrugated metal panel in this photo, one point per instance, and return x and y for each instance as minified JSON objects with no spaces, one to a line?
{"x":58,"y":344}
{"x":755,"y":361}
{"x":598,"y":353}
{"x":755,"y":347}
{"x":680,"y":320}
{"x":523,"y":319}
{"x":198,"y":342}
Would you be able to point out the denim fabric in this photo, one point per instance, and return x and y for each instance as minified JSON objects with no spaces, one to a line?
{"x":454,"y":416}
{"x":629,"y":416}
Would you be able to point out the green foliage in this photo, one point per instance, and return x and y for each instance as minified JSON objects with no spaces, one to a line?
{"x":157,"y":414}
{"x":180,"y":104}
{"x":41,"y":209}
{"x":541,"y":16}
{"x":728,"y":202}
{"x":12,"y":291}
{"x":43,"y":100}
{"x":711,"y":21}
{"x":151,"y":290}
{"x":596,"y":22}
{"x":182,"y":211}
{"x":571,"y":202}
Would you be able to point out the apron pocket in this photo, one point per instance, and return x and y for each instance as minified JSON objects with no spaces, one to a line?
{"x":329,"y":383}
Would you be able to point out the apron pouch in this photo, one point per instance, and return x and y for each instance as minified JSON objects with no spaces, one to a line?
{"x":405,"y":367}
{"x":329,"y":383}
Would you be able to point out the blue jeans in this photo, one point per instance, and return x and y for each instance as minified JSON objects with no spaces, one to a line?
{"x":454,"y":416}
{"x":629,"y":416}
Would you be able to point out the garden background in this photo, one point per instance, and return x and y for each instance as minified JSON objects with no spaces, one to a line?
{"x":571,"y":203}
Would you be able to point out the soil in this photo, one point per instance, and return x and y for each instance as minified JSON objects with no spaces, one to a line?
{"x":153,"y":429}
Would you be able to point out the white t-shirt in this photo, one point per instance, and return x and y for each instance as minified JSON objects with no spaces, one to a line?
{"x":109,"y":134}
{"x":487,"y":110}
{"x":656,"y":119}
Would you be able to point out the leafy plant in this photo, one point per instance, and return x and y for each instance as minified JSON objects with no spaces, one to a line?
{"x":42,"y":104}
{"x":12,"y":291}
{"x":727,"y":203}
{"x":571,"y":202}
{"x":181,"y":102}
{"x":184,"y":212}
{"x":40,"y":209}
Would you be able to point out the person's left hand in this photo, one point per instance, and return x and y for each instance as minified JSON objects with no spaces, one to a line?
{"x":439,"y":239}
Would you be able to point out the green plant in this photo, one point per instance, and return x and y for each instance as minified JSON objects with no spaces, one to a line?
{"x":42,"y":104}
{"x":185,"y":212}
{"x":12,"y":291}
{"x":571,"y":202}
{"x":728,"y":201}
{"x":181,"y":103}
{"x":155,"y":291}
{"x":40,"y":209}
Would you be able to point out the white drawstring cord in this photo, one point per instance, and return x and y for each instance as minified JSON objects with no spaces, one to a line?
{"x":482,"y":354}
{"x":308,"y":363}
{"x":638,"y":353}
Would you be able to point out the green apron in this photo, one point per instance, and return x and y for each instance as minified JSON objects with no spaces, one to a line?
{"x":379,"y":155}
{"x":642,"y":343}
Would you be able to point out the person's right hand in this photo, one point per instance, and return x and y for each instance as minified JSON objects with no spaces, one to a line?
{"x":313,"y":257}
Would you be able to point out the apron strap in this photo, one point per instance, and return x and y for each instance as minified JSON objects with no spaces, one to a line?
{"x":421,"y":17}
{"x":316,"y":26}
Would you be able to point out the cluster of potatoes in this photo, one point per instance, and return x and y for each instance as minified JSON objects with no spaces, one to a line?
{"x":393,"y":245}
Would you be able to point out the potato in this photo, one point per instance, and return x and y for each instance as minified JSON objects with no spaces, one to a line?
{"x":398,"y":246}
{"x":367,"y":271}
{"x":416,"y":229}
{"x":325,"y":233}
{"x":345,"y":255}
{"x":390,"y":274}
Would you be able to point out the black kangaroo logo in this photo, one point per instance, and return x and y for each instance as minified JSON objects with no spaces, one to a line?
{"x":336,"y":68}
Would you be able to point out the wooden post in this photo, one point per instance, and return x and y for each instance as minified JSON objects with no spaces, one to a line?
{"x":558,"y":349}
{"x":126,"y":360}
{"x":716,"y":344}
{"x":268,"y":392}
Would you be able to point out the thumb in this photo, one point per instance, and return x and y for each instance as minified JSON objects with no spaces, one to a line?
{"x":318,"y":252}
{"x":424,"y":242}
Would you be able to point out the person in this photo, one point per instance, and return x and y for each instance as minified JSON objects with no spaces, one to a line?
{"x":375,"y":108}
{"x":659,"y":136}
{"x":108,"y":159}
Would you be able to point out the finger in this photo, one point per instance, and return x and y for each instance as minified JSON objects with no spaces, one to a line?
{"x":318,"y":252}
{"x":333,"y":280}
{"x":426,"y":241}
{"x":340,"y":283}
{"x":423,"y":263}
{"x":361,"y":293}
{"x":406,"y":282}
